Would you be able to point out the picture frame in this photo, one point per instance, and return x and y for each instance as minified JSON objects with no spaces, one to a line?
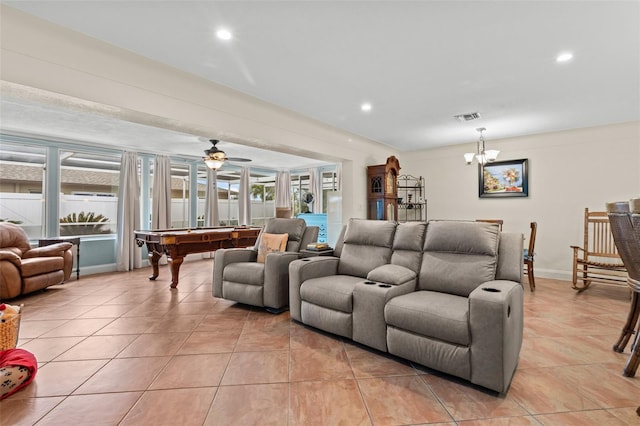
{"x":504,"y":179}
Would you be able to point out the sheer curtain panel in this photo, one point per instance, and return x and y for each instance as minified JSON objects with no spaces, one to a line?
{"x":161,"y":193}
{"x":283,"y":189}
{"x":211,"y":215}
{"x":244,"y":198}
{"x":128,"y":254}
{"x":315,"y":186}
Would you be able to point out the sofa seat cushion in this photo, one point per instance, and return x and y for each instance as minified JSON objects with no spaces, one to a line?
{"x":437,"y":315}
{"x":41,"y":265}
{"x":251,"y":273}
{"x":333,"y":292}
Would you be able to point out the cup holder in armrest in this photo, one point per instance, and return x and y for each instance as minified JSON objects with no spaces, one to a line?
{"x":369,"y":282}
{"x":384,"y":285}
{"x":305,"y":260}
{"x":491,"y":289}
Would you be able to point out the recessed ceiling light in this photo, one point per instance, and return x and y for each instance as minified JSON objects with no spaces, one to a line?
{"x":224,"y":34}
{"x":564,"y":57}
{"x":366,"y":107}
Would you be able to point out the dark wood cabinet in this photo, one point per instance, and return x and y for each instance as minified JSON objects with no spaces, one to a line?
{"x":382,"y":190}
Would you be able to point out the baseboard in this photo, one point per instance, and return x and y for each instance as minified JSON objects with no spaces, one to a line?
{"x":553,"y":274}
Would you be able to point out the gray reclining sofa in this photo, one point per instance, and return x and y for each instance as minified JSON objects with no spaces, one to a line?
{"x":444,"y":294}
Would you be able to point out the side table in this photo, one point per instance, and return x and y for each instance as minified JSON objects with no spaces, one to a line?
{"x":73,"y":240}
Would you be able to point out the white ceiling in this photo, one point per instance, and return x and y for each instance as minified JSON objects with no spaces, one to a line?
{"x":417,"y":62}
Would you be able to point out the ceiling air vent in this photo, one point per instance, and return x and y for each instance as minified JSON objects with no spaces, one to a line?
{"x":467,"y":117}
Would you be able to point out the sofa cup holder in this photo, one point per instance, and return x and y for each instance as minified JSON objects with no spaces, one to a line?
{"x":305,"y":260}
{"x":384,"y":285}
{"x":491,"y":289}
{"x":370,"y":282}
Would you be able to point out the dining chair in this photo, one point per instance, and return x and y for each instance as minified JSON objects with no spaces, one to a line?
{"x":528,"y":256}
{"x":625,"y":227}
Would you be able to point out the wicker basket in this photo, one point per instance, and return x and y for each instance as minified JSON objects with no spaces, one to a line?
{"x":9,"y":331}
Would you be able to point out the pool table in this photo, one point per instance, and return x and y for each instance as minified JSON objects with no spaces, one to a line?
{"x":177,"y":243}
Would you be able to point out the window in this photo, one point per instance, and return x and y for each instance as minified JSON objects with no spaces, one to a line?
{"x":300,"y":184}
{"x":263,"y":197}
{"x":21,"y":187}
{"x":89,"y":193}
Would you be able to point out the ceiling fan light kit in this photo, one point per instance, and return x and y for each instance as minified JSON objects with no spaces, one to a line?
{"x":216,"y":157}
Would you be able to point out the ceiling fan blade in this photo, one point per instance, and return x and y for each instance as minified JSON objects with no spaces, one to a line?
{"x":238,"y":160}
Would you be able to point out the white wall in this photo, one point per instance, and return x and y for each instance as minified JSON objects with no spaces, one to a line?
{"x":568,"y":171}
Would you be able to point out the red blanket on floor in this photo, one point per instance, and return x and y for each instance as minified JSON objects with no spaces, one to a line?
{"x":18,"y":377}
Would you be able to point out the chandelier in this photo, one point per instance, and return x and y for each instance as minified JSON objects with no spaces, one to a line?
{"x":482,"y":155}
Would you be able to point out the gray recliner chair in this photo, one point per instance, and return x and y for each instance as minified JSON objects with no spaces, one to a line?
{"x":239,"y":276}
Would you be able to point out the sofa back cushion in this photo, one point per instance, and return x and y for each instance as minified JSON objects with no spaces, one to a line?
{"x":13,"y":237}
{"x":293,"y":227}
{"x":458,"y":256}
{"x":407,"y":245}
{"x":366,"y":245}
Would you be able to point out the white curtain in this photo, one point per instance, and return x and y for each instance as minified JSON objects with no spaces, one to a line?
{"x":315,"y":187}
{"x":128,"y":254}
{"x":244,"y":198}
{"x":339,"y":177}
{"x":211,"y":215}
{"x":283,"y":189}
{"x":161,"y":194}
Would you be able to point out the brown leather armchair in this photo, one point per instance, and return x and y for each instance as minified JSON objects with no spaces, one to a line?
{"x":24,"y":269}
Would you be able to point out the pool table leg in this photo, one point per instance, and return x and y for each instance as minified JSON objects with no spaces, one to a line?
{"x":154,"y":258}
{"x":175,"y":263}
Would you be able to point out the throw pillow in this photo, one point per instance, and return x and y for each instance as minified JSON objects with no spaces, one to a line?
{"x":270,"y":243}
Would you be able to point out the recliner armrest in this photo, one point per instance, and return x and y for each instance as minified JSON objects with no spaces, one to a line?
{"x":302,"y":270}
{"x":52,"y":250}
{"x":224,"y":257}
{"x":276,"y":278}
{"x":496,"y":323}
{"x":10,"y":257}
{"x":278,"y":263}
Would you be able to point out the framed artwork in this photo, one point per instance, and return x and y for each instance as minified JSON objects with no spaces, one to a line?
{"x":503,"y":179}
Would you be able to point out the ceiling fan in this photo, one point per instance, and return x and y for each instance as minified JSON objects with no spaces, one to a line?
{"x":216,"y":157}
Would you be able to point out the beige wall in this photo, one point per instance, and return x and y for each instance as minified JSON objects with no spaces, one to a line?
{"x":568,"y":171}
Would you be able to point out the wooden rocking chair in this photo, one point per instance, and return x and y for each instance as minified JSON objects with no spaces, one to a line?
{"x":598,"y":260}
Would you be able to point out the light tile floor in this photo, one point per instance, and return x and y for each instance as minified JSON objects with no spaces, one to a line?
{"x":120,"y":349}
